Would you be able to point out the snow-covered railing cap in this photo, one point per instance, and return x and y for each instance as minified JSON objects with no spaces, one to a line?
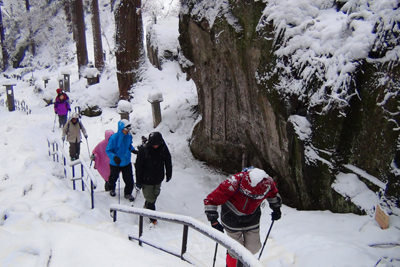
{"x":45,"y":78}
{"x":60,"y":78}
{"x":9,"y":83}
{"x":155,"y":97}
{"x":124,"y":107}
{"x":66,"y":72}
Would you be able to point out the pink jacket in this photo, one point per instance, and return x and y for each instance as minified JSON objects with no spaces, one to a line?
{"x":102,"y":162}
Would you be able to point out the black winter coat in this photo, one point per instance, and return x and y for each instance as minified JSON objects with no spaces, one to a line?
{"x":150,"y":164}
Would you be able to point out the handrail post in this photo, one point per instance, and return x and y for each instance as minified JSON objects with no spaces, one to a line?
{"x":82,"y":174}
{"x":184,"y":240}
{"x":49,"y":147}
{"x":92,"y":193}
{"x":114,"y":216}
{"x":140,"y":229}
{"x":73,"y":176}
{"x":58,"y":159}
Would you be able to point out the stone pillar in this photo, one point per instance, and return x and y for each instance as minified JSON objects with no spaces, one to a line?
{"x":154,"y":100}
{"x":66,"y":80}
{"x":60,"y":82}
{"x":46,"y":80}
{"x":92,"y":75}
{"x":10,"y":95}
{"x":124,"y":108}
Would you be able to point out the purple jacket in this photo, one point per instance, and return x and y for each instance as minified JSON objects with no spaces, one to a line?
{"x":61,"y":107}
{"x":102,"y":162}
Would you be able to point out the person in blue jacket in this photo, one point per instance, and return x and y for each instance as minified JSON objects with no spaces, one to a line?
{"x":119,"y":151}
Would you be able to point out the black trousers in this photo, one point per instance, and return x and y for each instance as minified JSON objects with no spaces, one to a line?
{"x":127,"y":175}
{"x":74,"y":150}
{"x":62,"y":119}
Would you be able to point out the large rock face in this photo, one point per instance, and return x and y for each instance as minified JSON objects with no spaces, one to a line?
{"x":247,"y":121}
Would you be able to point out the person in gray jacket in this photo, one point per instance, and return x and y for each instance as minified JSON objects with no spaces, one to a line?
{"x":72,"y":130}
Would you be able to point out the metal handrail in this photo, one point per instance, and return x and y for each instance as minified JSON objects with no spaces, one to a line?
{"x":241,"y":253}
{"x":57,"y":151}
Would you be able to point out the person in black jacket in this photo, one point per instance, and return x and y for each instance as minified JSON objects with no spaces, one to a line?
{"x":153,"y":162}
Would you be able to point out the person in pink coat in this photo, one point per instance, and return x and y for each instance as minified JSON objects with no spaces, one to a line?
{"x":100,"y":158}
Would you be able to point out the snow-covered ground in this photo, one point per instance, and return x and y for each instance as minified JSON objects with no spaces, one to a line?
{"x":44,"y":222}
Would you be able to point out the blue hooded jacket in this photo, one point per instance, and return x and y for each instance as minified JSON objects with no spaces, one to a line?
{"x":120,"y":145}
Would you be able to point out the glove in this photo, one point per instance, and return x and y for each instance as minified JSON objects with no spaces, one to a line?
{"x":63,"y":138}
{"x":117,"y":160}
{"x":168,"y":179}
{"x":276,"y":214}
{"x":55,"y":112}
{"x":134,"y":151}
{"x":212,"y":216}
{"x":218,"y":226}
{"x":86,"y":136}
{"x":138,"y":186}
{"x":92,"y":157}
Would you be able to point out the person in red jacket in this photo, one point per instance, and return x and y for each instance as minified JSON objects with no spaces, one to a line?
{"x":240,"y":197}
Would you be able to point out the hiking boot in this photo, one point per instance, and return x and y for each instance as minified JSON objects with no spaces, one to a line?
{"x":112,"y":193}
{"x":130,"y":198}
{"x":107,"y":186}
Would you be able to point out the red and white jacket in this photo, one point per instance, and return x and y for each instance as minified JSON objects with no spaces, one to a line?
{"x":240,"y":200}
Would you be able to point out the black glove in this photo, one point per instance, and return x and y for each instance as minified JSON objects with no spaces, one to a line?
{"x":55,"y":112}
{"x":139,"y":186}
{"x":276,"y":214}
{"x":218,"y":226}
{"x":117,"y":160}
{"x":168,"y":179}
{"x":212,"y":216}
{"x":134,"y":151}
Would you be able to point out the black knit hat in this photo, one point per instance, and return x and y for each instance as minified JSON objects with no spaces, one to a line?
{"x":155,"y":138}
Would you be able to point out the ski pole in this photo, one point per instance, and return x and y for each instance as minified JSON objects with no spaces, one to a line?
{"x":215,"y":253}
{"x":54,"y":125}
{"x":269,"y":231}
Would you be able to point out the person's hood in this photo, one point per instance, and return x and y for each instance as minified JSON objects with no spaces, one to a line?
{"x":108,"y":134}
{"x":122,"y":124}
{"x":155,"y":138}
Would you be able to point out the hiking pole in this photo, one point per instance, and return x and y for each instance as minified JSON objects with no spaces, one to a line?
{"x":119,"y":190}
{"x":269,"y":231}
{"x":54,"y":125}
{"x":88,"y":150}
{"x":215,"y":253}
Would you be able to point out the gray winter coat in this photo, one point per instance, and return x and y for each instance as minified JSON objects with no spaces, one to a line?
{"x":72,"y":131}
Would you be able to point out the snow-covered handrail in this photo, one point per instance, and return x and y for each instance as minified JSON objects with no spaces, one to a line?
{"x":241,"y":253}
{"x":57,"y":151}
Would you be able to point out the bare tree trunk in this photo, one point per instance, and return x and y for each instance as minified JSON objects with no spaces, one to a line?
{"x":31,"y":40}
{"x":97,"y":43}
{"x":3,"y":45}
{"x":129,"y":42}
{"x":81,"y":49}
{"x":68,"y":8}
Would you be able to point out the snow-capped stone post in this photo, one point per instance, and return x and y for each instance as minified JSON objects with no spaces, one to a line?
{"x":60,"y":82}
{"x":92,"y":75}
{"x":66,"y":74}
{"x":155,"y":100}
{"x":124,"y":108}
{"x":10,"y":95}
{"x":46,"y":80}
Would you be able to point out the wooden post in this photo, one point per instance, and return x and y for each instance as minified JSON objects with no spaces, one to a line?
{"x":10,"y":95}
{"x":155,"y":100}
{"x":381,"y":217}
